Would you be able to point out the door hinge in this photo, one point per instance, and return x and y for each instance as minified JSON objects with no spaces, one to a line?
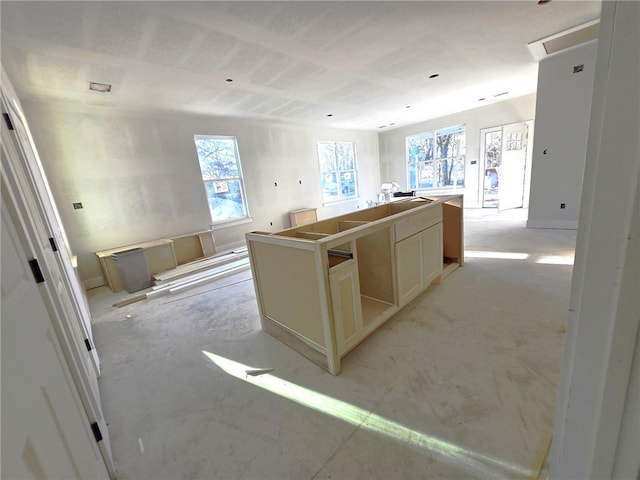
{"x":7,"y":120}
{"x":35,"y":270}
{"x":97,"y":434}
{"x":88,"y":344}
{"x":52,"y":242}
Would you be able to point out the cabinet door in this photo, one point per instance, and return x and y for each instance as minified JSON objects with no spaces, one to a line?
{"x":409,"y":268}
{"x":431,"y":254}
{"x":347,"y":308}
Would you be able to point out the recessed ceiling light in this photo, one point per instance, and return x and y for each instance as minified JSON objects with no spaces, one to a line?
{"x":229,"y":80}
{"x":434,"y":75}
{"x":100,"y":87}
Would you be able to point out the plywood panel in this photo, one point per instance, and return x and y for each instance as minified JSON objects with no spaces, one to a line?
{"x":187,"y":249}
{"x":368,"y":214}
{"x":397,"y":207}
{"x":375,"y":266}
{"x":151,"y":244}
{"x":452,"y":233}
{"x":303,"y":216}
{"x":311,"y":235}
{"x":160,"y":258}
{"x":159,"y":255}
{"x":314,"y":353}
{"x":330,"y":226}
{"x":374,"y":311}
{"x":344,"y":225}
{"x":288,"y":288}
{"x":207,"y":244}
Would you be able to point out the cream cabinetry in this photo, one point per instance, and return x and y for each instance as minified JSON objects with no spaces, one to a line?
{"x":432,"y":254}
{"x":322,"y":288}
{"x":161,"y":255}
{"x":419,"y":262}
{"x":346,"y":305}
{"x":409,"y":265}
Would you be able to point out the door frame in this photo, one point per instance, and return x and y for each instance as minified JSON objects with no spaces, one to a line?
{"x":527,"y":167}
{"x":20,"y":192}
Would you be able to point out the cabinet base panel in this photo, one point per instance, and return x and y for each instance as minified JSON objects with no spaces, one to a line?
{"x":291,"y":340}
{"x":448,"y":269}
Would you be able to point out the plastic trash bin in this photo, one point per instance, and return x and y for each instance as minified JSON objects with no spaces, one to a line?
{"x":132,"y":265}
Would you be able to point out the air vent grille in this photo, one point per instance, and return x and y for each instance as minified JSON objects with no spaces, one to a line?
{"x":562,"y":41}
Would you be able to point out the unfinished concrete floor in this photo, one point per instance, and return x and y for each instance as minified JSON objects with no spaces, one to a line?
{"x":460,"y":384}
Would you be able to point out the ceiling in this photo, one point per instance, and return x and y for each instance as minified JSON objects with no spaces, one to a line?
{"x":349,"y":64}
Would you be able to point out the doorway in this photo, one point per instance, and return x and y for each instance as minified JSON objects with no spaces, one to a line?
{"x":505,"y":158}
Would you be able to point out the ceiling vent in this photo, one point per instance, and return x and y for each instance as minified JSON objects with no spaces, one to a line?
{"x":562,"y":41}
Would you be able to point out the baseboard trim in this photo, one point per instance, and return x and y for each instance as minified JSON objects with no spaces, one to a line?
{"x":553,"y":224}
{"x":295,"y":341}
{"x":230,"y":246}
{"x":94,"y":282}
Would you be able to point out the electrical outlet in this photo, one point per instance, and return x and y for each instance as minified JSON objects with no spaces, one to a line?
{"x":77,"y":205}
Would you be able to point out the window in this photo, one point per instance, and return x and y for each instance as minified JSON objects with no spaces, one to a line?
{"x":436,"y":159}
{"x":222,"y":176}
{"x":338,"y":170}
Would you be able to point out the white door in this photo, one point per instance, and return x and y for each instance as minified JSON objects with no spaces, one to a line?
{"x":45,"y":429}
{"x":19,"y":191}
{"x":43,"y":210}
{"x":512,"y":171}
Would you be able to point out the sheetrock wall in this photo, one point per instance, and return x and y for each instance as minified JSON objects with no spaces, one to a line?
{"x":137,"y":175}
{"x":393,"y":157}
{"x":560,"y":146}
{"x":596,"y":431}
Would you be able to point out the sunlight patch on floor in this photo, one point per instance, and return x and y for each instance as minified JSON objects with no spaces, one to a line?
{"x":556,"y":260}
{"x":477,"y":464}
{"x":496,"y":255}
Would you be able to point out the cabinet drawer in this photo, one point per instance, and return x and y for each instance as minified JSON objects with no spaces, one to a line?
{"x":412,"y":224}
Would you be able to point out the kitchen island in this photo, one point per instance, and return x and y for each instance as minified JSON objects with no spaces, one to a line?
{"x":322,"y":288}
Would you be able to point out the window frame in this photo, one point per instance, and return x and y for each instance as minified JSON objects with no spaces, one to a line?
{"x":458,"y":160}
{"x":240,"y":179}
{"x":337,"y":172}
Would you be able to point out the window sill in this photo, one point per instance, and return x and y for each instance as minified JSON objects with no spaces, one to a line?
{"x":231,"y":223}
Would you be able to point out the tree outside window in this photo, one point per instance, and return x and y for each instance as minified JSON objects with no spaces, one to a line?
{"x":436,"y":159}
{"x":222,"y":176}
{"x":338,"y":170}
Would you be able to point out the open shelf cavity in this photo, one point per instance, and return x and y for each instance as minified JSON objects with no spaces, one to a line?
{"x":340,"y":254}
{"x":373,"y":309}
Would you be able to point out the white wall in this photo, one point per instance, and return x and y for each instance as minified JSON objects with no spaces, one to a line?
{"x":138,"y":178}
{"x":393,"y":159}
{"x":562,"y":124}
{"x":597,"y":426}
